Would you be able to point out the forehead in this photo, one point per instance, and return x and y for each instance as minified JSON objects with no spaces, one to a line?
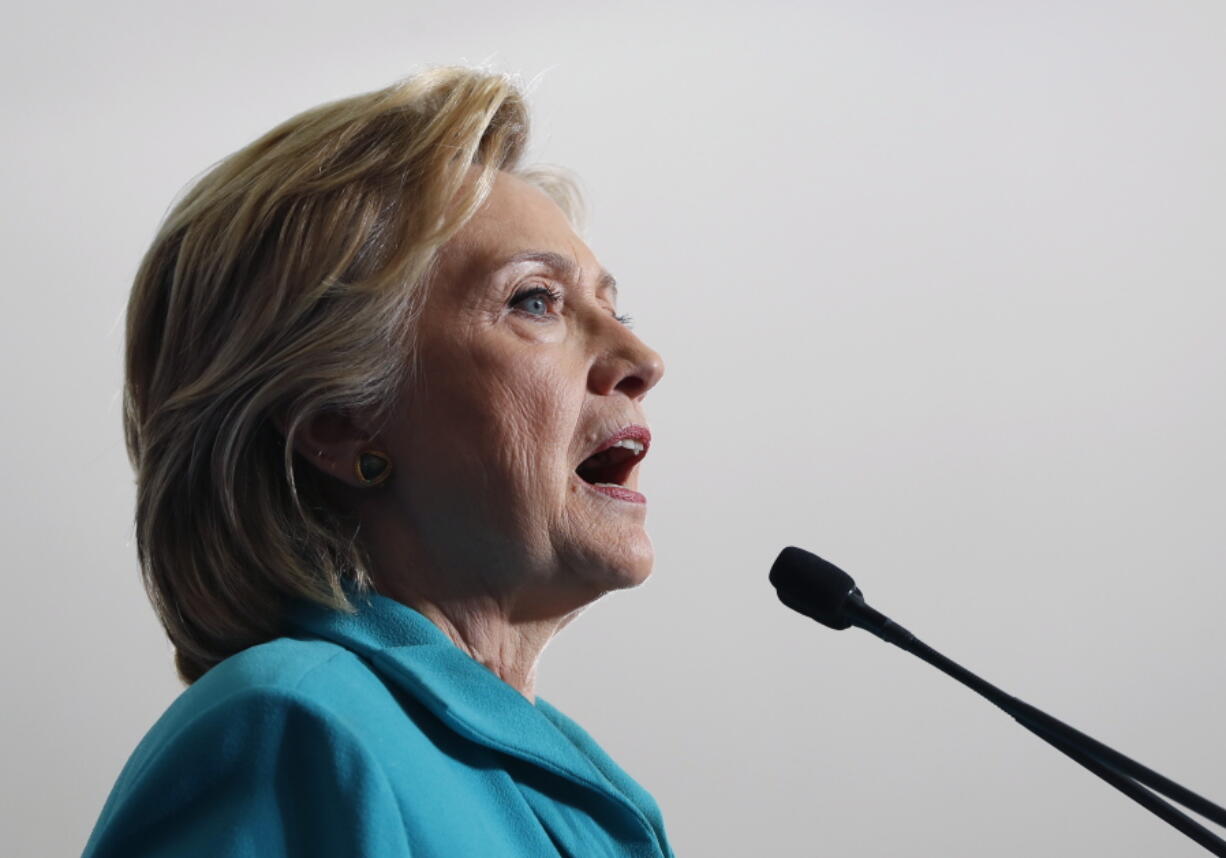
{"x":519,"y":226}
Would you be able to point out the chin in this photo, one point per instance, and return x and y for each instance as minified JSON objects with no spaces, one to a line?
{"x":629,"y":568}
{"x":603,"y":569}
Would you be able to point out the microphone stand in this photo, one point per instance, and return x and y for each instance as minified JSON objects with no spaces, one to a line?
{"x":1128,"y":776}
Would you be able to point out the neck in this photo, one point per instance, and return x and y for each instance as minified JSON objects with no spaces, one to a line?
{"x":511,"y":651}
{"x":507,"y":641}
{"x":498,"y":616}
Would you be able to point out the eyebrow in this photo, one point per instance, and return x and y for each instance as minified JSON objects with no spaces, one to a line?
{"x":565,"y":266}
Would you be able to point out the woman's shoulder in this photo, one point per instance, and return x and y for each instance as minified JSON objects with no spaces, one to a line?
{"x":285,"y":667}
{"x":270,"y":731}
{"x":271,"y":682}
{"x":260,"y":698}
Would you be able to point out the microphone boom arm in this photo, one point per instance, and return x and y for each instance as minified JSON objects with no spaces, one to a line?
{"x":1123,"y":773}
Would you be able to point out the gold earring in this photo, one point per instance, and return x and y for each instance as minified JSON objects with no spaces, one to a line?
{"x":372,"y":467}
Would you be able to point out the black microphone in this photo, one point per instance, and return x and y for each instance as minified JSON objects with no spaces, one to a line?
{"x":818,"y":589}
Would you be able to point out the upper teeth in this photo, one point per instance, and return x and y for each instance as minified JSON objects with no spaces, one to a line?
{"x":629,"y":444}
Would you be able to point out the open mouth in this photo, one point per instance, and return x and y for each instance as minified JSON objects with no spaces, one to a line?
{"x":612,"y":466}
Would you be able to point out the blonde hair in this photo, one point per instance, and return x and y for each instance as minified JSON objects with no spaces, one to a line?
{"x":285,"y":284}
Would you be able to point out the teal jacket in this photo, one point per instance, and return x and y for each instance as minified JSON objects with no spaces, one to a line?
{"x":369,"y":735}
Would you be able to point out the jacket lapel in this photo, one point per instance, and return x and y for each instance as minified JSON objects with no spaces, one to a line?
{"x":408,"y":650}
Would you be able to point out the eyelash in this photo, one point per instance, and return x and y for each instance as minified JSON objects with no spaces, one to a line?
{"x":555,"y":296}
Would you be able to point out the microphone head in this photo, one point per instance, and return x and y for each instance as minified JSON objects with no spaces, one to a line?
{"x":812,"y":586}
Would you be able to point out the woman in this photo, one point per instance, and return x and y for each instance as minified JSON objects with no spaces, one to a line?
{"x":386,"y":424}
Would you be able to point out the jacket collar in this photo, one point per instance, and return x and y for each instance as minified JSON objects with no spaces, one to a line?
{"x":407,"y":649}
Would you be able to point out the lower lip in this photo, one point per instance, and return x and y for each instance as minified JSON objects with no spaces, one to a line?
{"x":619,"y":492}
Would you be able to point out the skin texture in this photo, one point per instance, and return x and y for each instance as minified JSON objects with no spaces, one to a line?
{"x":484,"y":526}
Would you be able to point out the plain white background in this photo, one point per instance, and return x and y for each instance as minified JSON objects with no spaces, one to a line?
{"x":940,"y":290}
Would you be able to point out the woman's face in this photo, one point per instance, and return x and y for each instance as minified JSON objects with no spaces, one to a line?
{"x":524,"y":372}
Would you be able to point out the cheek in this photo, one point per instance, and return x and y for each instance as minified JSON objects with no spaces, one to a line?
{"x":533,"y":410}
{"x":503,"y":422}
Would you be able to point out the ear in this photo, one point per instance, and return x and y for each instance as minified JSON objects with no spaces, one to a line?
{"x":332,"y":443}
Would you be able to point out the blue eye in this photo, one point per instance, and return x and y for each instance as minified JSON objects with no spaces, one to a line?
{"x":536,"y":301}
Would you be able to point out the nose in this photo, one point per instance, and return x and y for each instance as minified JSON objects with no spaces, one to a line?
{"x":625,"y":364}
